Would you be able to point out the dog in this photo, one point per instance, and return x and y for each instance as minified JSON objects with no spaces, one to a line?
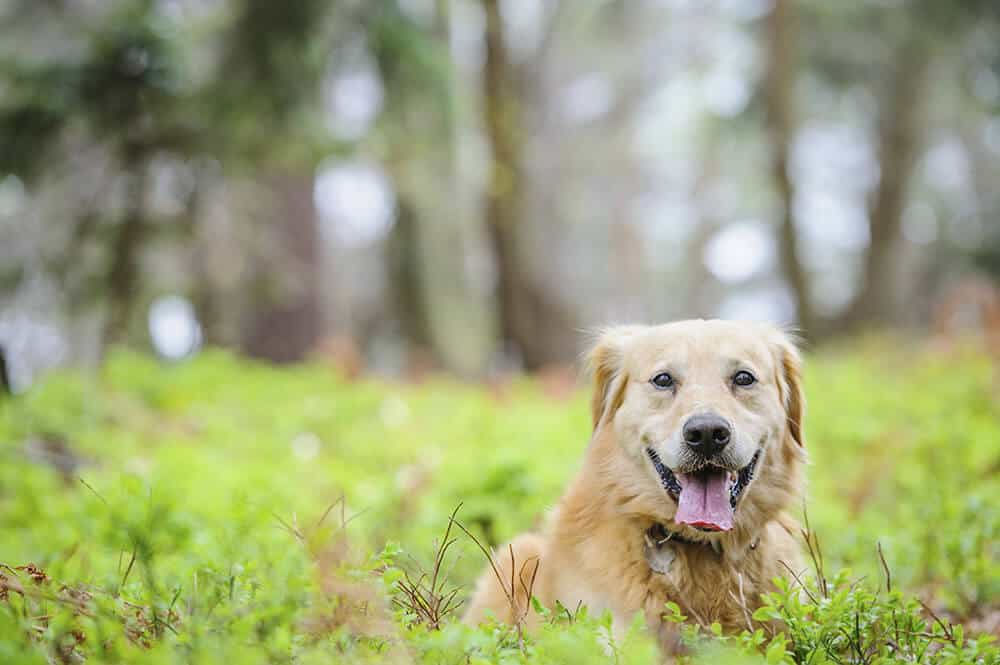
{"x":696,"y":458}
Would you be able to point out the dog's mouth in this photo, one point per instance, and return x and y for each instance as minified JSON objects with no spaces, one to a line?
{"x":706,"y":498}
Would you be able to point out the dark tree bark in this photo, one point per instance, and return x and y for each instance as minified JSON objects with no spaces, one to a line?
{"x":204,"y":291}
{"x":284,"y":326}
{"x":779,"y":87}
{"x":899,"y":143}
{"x":123,"y":287}
{"x":502,"y":116}
{"x":5,"y":387}
{"x":407,"y":277}
{"x":124,"y":271}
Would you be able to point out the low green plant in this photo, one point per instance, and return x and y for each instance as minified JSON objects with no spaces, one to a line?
{"x":223,"y":511}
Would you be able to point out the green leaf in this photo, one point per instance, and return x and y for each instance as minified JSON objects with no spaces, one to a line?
{"x":766,"y":613}
{"x":673,"y":613}
{"x":776,"y":650}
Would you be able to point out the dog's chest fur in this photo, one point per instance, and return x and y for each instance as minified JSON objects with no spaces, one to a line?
{"x":709,"y":586}
{"x":597,"y":555}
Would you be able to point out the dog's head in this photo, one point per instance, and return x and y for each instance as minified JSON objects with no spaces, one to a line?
{"x":707,"y":418}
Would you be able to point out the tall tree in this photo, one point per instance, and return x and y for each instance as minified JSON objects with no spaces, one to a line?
{"x":504,"y":132}
{"x":416,"y":128}
{"x":120,"y":95}
{"x":275,"y":57}
{"x":899,"y":142}
{"x":899,"y":136}
{"x":779,"y":85}
{"x":909,"y":37}
{"x":533,"y":324}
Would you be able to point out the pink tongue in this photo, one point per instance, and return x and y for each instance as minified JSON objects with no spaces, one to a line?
{"x":704,"y":501}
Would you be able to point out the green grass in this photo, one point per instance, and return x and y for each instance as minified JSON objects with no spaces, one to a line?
{"x":203,"y":530}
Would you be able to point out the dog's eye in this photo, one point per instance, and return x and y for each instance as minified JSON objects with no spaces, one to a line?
{"x":662,"y":381}
{"x":744,"y":378}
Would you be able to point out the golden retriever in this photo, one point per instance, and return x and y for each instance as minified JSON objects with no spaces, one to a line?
{"x":696,"y":454}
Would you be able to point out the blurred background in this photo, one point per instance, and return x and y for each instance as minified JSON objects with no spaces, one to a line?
{"x":404,"y":186}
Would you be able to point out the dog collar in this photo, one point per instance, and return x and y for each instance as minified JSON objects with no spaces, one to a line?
{"x":660,"y":547}
{"x":659,"y":535}
{"x":659,"y":542}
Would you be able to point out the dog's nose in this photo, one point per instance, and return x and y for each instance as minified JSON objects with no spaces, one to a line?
{"x":707,"y":434}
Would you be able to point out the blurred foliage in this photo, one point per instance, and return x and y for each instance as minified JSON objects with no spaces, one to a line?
{"x":191,"y":513}
{"x":987,"y":256}
{"x":120,"y":101}
{"x":124,"y":89}
{"x":239,"y":84}
{"x":178,"y":146}
{"x":265,"y":46}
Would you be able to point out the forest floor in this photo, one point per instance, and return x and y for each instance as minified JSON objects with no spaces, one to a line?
{"x":220,"y":511}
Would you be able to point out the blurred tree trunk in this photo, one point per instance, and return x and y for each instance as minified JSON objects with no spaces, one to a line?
{"x":899,"y":142}
{"x":5,"y":385}
{"x":442,"y":20}
{"x":123,"y":273}
{"x":407,"y":277}
{"x":204,"y":291}
{"x":285,"y":324}
{"x":899,"y":135}
{"x":779,"y":89}
{"x":503,"y":128}
{"x":424,"y":253}
{"x":701,"y":286}
{"x":532,"y":323}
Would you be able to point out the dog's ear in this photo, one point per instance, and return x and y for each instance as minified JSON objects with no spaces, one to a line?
{"x":789,"y":369}
{"x":606,"y":363}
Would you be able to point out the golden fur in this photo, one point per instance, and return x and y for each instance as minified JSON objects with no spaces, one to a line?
{"x":591,"y":551}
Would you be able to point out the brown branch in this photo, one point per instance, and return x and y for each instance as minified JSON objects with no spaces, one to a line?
{"x":798,"y":579}
{"x":885,"y":567}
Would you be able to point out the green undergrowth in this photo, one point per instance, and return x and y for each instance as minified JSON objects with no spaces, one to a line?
{"x":220,"y":511}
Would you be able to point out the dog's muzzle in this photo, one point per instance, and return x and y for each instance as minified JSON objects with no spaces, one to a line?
{"x":706,"y":498}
